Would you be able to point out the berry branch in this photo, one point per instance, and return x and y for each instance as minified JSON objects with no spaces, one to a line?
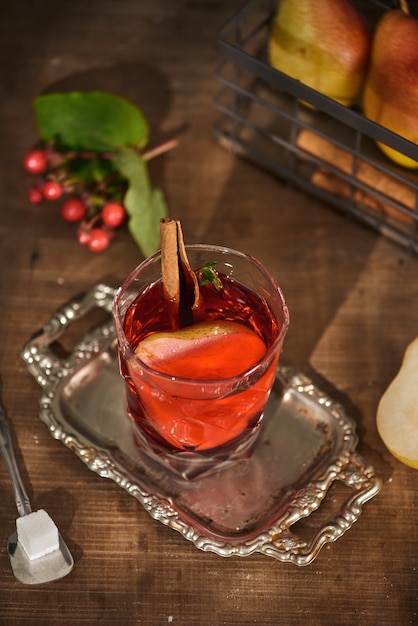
{"x":96,"y":205}
{"x":93,"y":150}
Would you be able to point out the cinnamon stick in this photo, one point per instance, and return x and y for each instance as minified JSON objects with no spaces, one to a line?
{"x":180,"y":284}
{"x":365,"y":173}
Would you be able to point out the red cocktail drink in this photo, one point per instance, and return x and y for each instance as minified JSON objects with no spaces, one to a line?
{"x":200,"y":388}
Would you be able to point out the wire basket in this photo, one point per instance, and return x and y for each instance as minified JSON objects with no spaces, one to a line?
{"x":306,"y":138}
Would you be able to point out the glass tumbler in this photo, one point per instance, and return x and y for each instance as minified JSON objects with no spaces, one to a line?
{"x":193,"y":424}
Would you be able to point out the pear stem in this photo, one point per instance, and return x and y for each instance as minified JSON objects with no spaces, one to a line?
{"x":404,"y":7}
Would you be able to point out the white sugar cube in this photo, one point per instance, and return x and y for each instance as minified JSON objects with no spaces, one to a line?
{"x":37,"y":534}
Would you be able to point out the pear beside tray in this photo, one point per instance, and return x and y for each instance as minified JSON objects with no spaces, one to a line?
{"x":306,"y":446}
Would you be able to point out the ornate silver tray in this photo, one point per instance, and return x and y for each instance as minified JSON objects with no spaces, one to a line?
{"x":306,"y":448}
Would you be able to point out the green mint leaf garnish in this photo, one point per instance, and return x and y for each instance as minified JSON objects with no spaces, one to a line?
{"x":208,"y":275}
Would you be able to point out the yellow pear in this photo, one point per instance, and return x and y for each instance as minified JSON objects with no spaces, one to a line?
{"x":397,"y":413}
{"x":391,"y":88}
{"x":325,"y":44}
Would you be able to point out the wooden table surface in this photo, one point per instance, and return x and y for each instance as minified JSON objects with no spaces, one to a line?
{"x":353,"y":300}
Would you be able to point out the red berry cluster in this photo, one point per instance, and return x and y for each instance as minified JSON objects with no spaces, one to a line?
{"x":97,"y":219}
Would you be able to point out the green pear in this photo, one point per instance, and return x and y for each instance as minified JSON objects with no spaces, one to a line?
{"x":397,"y":413}
{"x":324,"y":44}
{"x":391,"y":87}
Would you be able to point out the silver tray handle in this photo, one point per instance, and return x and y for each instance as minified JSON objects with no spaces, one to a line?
{"x":40,"y":359}
{"x":287,"y":546}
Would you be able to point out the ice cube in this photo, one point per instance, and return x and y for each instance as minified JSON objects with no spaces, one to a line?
{"x":37,"y":534}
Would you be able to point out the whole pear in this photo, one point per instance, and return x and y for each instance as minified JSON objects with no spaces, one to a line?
{"x":325,"y":44}
{"x":391,"y":88}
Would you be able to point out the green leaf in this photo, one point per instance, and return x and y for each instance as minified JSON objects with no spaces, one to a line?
{"x":90,"y":121}
{"x":208,"y":275}
{"x":144,"y":204}
{"x":94,"y":170}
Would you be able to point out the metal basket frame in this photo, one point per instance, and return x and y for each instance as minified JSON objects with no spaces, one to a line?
{"x":263,"y":111}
